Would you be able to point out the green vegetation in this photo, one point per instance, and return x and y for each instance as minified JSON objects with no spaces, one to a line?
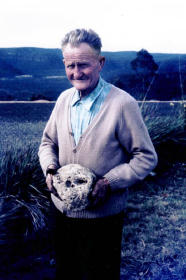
{"x":165,"y":121}
{"x":27,"y":73}
{"x":145,"y":69}
{"x":154,"y":231}
{"x":22,"y":192}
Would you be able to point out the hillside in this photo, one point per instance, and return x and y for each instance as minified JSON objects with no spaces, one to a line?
{"x":28,"y":73}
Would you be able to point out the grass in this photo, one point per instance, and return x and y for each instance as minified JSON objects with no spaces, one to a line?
{"x":24,"y":199}
{"x":154,"y":231}
{"x":164,"y":120}
{"x":19,"y":134}
{"x":25,"y":112}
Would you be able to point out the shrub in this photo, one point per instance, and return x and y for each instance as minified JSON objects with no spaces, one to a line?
{"x":24,"y":199}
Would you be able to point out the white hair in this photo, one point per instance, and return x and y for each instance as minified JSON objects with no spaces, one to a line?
{"x":78,"y":36}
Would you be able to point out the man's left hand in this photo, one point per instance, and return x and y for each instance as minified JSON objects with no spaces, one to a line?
{"x":100,"y":192}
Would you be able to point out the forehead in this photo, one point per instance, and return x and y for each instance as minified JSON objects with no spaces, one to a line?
{"x":82,"y":52}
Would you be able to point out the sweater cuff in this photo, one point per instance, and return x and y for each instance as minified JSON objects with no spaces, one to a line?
{"x":51,"y":171}
{"x":47,"y":166}
{"x":113,"y":181}
{"x":121,"y":177}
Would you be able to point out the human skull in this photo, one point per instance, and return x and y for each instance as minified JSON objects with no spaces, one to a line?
{"x":73,"y":184}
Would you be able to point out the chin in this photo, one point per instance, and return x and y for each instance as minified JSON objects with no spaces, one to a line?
{"x":81,"y":86}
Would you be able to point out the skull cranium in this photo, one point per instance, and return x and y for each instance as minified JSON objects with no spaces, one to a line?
{"x":73,"y":184}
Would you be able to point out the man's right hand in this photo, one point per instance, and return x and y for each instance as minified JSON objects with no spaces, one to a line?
{"x":49,"y":181}
{"x":51,"y":170}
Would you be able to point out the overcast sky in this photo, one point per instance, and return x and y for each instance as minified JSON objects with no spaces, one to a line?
{"x":156,"y":25}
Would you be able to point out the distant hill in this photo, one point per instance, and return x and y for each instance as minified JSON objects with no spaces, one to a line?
{"x":26,"y":73}
{"x":8,"y":70}
{"x":34,"y":61}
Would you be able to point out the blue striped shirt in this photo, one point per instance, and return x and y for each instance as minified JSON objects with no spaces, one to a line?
{"x":85,"y":109}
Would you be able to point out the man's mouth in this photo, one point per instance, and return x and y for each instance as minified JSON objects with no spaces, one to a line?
{"x":79,"y":80}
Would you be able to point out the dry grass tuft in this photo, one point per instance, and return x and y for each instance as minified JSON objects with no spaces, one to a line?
{"x":24,"y":203}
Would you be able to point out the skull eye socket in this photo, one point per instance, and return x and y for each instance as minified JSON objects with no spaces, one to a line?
{"x":68,"y":183}
{"x":80,"y":181}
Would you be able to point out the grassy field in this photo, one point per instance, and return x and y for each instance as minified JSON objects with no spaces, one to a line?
{"x":24,"y":122}
{"x":154,"y":236}
{"x":154,"y":232}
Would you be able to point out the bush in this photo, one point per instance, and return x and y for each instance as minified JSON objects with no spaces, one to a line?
{"x":24,"y":199}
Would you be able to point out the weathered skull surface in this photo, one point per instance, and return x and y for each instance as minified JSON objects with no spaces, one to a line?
{"x":73,"y":184}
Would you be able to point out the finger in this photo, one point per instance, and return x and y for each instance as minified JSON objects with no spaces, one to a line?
{"x":95,"y":191}
{"x":49,"y":182}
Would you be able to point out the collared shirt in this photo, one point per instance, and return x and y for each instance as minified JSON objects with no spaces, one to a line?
{"x":85,"y":109}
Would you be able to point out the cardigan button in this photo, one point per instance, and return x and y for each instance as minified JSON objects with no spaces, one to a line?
{"x":74,"y":150}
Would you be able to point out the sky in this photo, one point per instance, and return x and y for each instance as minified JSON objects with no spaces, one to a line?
{"x":123,"y":25}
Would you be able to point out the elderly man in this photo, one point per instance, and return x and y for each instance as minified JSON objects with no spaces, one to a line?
{"x":99,"y":126}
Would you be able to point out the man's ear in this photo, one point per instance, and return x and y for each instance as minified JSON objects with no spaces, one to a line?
{"x":101,"y":61}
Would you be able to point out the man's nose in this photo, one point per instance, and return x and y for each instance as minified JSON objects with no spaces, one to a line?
{"x":77,"y":72}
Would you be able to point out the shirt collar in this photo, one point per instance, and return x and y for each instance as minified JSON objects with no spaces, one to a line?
{"x":88,"y":100}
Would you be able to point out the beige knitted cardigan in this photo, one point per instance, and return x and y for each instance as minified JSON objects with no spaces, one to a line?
{"x":115,"y":145}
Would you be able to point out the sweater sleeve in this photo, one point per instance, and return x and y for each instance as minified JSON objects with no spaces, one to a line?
{"x":134,"y":138}
{"x":48,"y":150}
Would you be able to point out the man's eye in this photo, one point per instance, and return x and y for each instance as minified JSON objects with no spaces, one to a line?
{"x":83,"y":65}
{"x":70,"y":66}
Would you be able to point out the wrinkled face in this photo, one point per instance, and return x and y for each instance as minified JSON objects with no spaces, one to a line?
{"x":83,"y":65}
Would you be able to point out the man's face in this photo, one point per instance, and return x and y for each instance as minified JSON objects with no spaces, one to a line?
{"x":83,"y":66}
